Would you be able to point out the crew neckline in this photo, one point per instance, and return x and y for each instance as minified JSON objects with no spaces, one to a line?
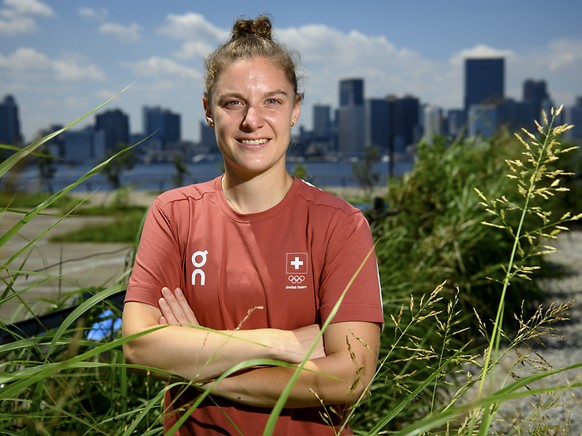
{"x":258,"y":216}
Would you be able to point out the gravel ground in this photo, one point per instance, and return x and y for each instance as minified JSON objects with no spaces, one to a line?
{"x":558,"y":413}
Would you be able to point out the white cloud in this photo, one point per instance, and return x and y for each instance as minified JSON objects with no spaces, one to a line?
{"x":30,"y":7}
{"x":91,"y":13}
{"x":328,"y":55}
{"x":126,"y":33}
{"x":165,"y":69}
{"x":199,"y":36}
{"x":27,"y":63}
{"x":192,"y":26}
{"x":19,"y":16}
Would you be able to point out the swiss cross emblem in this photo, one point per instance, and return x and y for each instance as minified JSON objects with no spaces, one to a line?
{"x":296,"y":263}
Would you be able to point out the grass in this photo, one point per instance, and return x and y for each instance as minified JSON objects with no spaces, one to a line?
{"x":123,"y":228}
{"x":438,"y":263}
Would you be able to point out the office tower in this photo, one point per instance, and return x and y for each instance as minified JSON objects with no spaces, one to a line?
{"x":82,"y":146}
{"x":321,"y":121}
{"x":484,"y":81}
{"x":536,"y":94}
{"x":351,"y":130}
{"x":456,"y":122}
{"x":208,"y":138}
{"x":351,"y":118}
{"x":404,"y":122}
{"x":377,"y":123}
{"x":115,"y":124}
{"x":573,"y":116}
{"x":351,"y":92}
{"x":163,"y":126}
{"x":9,"y":122}
{"x":433,"y":122}
{"x":483,"y":119}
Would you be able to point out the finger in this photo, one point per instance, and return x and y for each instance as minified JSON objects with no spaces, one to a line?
{"x":167,"y":312}
{"x":186,"y":307}
{"x":162,"y":320}
{"x":177,"y":308}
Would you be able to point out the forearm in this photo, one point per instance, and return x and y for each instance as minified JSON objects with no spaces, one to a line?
{"x":327,"y":380}
{"x":200,"y":354}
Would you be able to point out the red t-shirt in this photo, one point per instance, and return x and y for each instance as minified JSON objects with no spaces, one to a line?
{"x":283,"y":268}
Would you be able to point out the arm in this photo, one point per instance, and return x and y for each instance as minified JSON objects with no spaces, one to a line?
{"x":339,"y":377}
{"x":201,"y":355}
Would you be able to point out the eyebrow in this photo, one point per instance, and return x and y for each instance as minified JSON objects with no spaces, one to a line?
{"x":238,"y":94}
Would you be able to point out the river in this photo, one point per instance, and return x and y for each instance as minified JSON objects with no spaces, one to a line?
{"x":160,"y":176}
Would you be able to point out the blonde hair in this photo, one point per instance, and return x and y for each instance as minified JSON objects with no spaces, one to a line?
{"x":250,"y":38}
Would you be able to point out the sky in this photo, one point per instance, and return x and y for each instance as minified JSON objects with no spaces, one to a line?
{"x":62,"y":58}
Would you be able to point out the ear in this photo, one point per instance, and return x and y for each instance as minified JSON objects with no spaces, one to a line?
{"x":296,"y":110}
{"x":207,"y":110}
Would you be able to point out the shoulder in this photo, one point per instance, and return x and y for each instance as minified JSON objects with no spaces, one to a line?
{"x":185,"y":195}
{"x":323,"y":201}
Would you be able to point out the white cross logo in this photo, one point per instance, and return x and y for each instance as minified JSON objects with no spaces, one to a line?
{"x":296,"y":262}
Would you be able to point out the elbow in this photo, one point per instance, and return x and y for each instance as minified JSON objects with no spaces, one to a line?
{"x":357,"y":385}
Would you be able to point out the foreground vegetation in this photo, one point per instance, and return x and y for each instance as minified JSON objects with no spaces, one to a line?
{"x":459,"y":250}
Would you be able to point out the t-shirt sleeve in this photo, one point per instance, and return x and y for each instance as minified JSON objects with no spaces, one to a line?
{"x":351,"y":266}
{"x":158,"y":261}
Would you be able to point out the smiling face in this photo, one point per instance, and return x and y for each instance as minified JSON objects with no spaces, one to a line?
{"x":252,"y":106}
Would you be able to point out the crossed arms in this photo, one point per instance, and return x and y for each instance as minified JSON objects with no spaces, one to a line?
{"x":338,"y":371}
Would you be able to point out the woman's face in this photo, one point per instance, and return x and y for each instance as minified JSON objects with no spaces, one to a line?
{"x":252,"y":106}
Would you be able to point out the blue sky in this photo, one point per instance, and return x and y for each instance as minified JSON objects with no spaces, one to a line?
{"x":61,"y":58}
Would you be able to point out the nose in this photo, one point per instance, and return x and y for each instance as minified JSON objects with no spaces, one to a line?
{"x":252,"y":119}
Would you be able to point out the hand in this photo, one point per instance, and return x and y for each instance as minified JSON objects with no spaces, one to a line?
{"x":175,"y":309}
{"x":304,"y":337}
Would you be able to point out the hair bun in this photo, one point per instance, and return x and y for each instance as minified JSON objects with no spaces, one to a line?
{"x":260,"y":27}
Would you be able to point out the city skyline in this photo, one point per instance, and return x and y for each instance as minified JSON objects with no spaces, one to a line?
{"x":60,"y":61}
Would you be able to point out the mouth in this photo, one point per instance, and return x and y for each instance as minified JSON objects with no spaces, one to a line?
{"x":260,"y":141}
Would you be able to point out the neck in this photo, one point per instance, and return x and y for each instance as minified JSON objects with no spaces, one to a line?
{"x":255,"y":194}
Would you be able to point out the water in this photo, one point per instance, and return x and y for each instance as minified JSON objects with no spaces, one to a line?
{"x":159,"y":176}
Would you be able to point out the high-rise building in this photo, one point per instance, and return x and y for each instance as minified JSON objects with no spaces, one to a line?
{"x":483,"y":119}
{"x":351,"y":130}
{"x":163,"y":126}
{"x":115,"y":124}
{"x":433,"y":122}
{"x":377,"y":121}
{"x":574,"y":116}
{"x":484,"y":81}
{"x":208,"y":138}
{"x":536,"y":94}
{"x":351,"y":118}
{"x":82,"y":146}
{"x":456,"y":122}
{"x":351,"y":92}
{"x":10,"y":122}
{"x":321,"y":121}
{"x":404,"y":122}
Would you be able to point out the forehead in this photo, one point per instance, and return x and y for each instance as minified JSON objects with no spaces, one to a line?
{"x":255,"y":72}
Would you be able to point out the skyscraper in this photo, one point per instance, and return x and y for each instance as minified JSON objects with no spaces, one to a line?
{"x":350,"y":117}
{"x":9,"y":122}
{"x":484,"y":81}
{"x":535,"y":93}
{"x":321,"y":120}
{"x":163,"y":126}
{"x":351,"y":92}
{"x":377,"y":123}
{"x":115,"y":124}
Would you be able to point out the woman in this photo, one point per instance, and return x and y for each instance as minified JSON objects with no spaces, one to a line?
{"x":259,"y":257}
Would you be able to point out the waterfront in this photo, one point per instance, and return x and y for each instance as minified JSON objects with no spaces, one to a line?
{"x":160,"y":176}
